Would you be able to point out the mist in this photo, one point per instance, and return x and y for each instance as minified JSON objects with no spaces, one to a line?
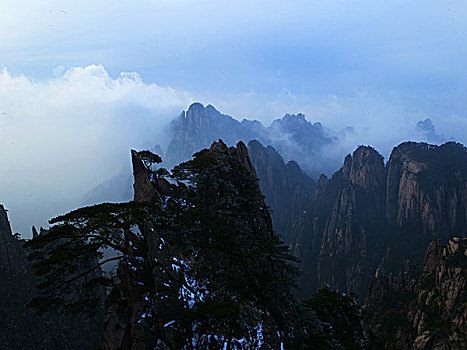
{"x":362,"y":118}
{"x":62,"y":136}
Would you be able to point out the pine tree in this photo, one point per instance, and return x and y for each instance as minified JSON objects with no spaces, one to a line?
{"x":199,"y":266}
{"x":242,"y":272}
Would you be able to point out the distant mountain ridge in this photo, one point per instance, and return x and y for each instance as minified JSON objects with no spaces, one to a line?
{"x":293,"y":136}
{"x":314,"y":148}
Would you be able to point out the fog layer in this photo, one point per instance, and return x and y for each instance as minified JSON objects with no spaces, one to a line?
{"x":61,"y":137}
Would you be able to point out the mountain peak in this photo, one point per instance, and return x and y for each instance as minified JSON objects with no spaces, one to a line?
{"x":200,"y":125}
{"x":211,"y":108}
{"x":298,"y":116}
{"x":427,"y":129}
{"x":143,"y":189}
{"x":364,"y":163}
{"x":291,"y":121}
{"x":4,"y":223}
{"x":195,"y":106}
{"x":198,"y":107}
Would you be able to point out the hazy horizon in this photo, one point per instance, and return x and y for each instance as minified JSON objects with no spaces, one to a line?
{"x":82,"y":83}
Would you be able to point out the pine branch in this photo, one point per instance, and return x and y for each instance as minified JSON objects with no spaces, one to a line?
{"x":69,"y":281}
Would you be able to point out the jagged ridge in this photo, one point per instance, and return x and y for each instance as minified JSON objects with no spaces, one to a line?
{"x":370,"y":216}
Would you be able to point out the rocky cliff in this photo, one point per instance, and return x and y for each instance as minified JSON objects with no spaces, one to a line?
{"x":293,"y":136}
{"x":287,"y":189}
{"x":421,"y":310}
{"x":128,"y":303}
{"x":428,"y":184}
{"x":369,"y":216}
{"x":285,"y":168}
{"x":22,"y":328}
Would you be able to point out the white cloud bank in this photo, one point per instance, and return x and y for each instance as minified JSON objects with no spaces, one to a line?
{"x":61,"y":137}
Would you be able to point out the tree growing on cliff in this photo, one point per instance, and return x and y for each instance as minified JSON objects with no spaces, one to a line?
{"x":242,"y":271}
{"x":340,"y":318}
{"x":199,"y":264}
{"x":69,"y":256}
{"x":149,"y":158}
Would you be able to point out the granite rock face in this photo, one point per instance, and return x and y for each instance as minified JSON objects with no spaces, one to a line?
{"x":428,"y":184}
{"x":421,"y":310}
{"x":371,"y":217}
{"x":287,"y":189}
{"x":123,"y":326}
{"x":339,"y":231}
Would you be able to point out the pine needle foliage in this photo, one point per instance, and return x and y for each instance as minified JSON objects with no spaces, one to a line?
{"x":199,"y":267}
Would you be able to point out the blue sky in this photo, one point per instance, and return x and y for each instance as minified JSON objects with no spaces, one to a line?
{"x":377,"y":66}
{"x":415,"y":50}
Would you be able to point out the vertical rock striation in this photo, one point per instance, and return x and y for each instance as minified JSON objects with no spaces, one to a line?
{"x":287,"y":189}
{"x":371,"y":217}
{"x":421,"y":310}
